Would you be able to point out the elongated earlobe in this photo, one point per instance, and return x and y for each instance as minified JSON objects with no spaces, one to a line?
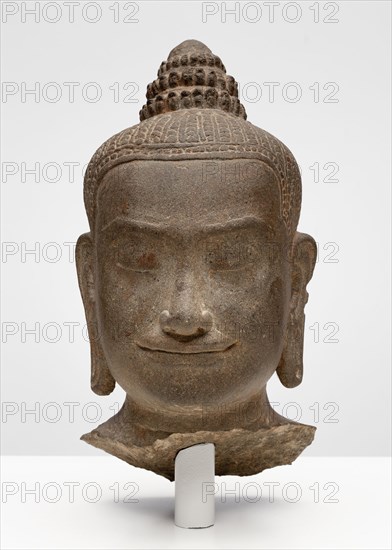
{"x":102,"y":382}
{"x":290,"y":368}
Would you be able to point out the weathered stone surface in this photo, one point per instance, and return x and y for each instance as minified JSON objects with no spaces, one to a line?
{"x":237,"y":452}
{"x":193,"y":276}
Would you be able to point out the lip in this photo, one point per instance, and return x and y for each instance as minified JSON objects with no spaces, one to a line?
{"x":186,"y":349}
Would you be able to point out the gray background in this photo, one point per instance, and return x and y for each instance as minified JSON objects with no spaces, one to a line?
{"x":346,"y":388}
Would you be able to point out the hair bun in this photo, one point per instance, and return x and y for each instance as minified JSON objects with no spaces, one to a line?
{"x":192,"y":77}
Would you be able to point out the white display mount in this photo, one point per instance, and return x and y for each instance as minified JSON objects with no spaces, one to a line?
{"x":194,"y":476}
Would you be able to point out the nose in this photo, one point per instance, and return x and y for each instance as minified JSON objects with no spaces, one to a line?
{"x":187,"y":319}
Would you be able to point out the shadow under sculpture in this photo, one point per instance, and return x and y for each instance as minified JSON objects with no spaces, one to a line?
{"x":193,"y":276}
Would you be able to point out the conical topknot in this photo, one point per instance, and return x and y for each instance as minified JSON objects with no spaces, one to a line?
{"x":192,"y":77}
{"x":189,"y":47}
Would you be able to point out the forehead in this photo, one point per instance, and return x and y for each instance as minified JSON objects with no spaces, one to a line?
{"x":189,"y":192}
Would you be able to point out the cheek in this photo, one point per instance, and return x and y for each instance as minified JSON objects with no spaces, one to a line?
{"x":125,"y":301}
{"x":252,"y":306}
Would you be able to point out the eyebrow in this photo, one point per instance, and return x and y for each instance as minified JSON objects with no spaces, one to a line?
{"x":236,"y":223}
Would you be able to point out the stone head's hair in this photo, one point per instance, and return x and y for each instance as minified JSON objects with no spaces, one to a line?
{"x":193,"y":112}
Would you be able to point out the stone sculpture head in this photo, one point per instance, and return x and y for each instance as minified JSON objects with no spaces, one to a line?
{"x":193,"y":275}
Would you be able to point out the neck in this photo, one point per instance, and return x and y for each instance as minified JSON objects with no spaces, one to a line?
{"x":251,"y":413}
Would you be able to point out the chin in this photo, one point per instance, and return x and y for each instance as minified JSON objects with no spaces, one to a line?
{"x":191,"y":390}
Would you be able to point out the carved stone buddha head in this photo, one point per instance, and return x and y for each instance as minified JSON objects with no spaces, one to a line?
{"x":193,"y":276}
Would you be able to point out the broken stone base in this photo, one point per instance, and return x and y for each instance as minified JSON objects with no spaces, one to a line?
{"x":237,"y":452}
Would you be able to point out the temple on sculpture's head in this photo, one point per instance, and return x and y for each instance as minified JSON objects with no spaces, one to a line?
{"x":193,"y":112}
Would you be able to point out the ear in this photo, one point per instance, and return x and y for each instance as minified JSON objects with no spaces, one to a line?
{"x":304,"y":253}
{"x":102,"y":382}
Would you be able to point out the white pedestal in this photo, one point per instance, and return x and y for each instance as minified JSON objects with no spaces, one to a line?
{"x":194,"y":487}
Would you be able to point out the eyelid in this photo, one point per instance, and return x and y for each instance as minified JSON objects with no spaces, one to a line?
{"x":134,"y":263}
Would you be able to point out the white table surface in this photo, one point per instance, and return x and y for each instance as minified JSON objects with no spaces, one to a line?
{"x":353,"y":508}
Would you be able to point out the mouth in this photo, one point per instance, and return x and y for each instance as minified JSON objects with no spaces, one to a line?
{"x":187,"y":349}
